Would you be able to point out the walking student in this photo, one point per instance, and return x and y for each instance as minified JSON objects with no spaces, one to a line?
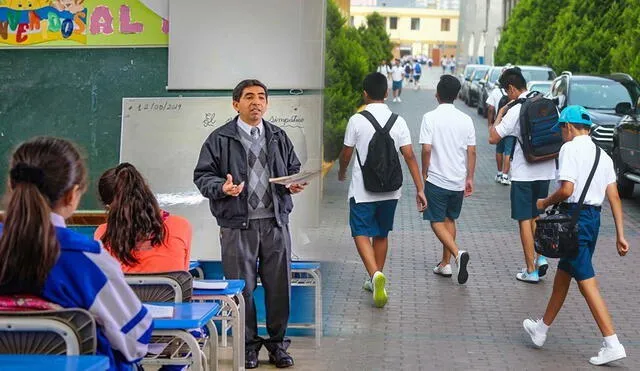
{"x":371,"y":213}
{"x":576,"y":160}
{"x":448,"y":141}
{"x":417,"y":72}
{"x":529,"y":181}
{"x":504,"y":149}
{"x":397,"y":72}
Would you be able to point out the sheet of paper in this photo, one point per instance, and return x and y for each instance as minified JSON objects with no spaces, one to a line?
{"x":210,"y":285}
{"x":301,"y":177}
{"x":159,"y":311}
{"x":157,"y":348}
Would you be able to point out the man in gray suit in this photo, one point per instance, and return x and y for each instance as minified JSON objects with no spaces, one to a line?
{"x":233,"y":171}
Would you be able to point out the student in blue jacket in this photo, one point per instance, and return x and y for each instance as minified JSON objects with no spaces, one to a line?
{"x":40,"y":256}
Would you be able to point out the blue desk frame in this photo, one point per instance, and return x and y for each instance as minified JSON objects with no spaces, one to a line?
{"x":28,"y":362}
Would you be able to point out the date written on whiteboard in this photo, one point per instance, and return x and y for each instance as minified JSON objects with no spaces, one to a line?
{"x":158,"y":107}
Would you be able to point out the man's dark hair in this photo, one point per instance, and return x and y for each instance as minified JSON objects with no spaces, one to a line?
{"x":512,"y":76}
{"x":237,"y":91}
{"x":375,"y":84}
{"x":448,"y":88}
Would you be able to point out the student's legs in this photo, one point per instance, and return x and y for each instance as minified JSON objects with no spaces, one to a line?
{"x":365,"y":249}
{"x":589,"y":289}
{"x":526,"y":237}
{"x":499,"y":163}
{"x":506,"y":164}
{"x":380,"y":247}
{"x":560,"y":289}
{"x":447,"y":239}
{"x":451,"y":228}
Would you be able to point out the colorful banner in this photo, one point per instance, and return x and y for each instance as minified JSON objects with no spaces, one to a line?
{"x":80,"y":23}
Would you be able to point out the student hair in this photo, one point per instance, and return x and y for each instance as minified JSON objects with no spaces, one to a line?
{"x":239,"y":89}
{"x":448,"y":88}
{"x":134,"y":215}
{"x":375,"y":84}
{"x":43,"y":171}
{"x":512,"y":76}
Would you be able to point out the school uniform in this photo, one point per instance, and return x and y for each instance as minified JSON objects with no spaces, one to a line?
{"x":529,"y":181}
{"x":505,"y":145}
{"x":450,"y":132}
{"x":86,"y":276}
{"x":371,"y":214}
{"x":575,"y":162}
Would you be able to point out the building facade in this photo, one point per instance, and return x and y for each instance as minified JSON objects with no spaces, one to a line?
{"x":481,"y":23}
{"x":415,"y":27}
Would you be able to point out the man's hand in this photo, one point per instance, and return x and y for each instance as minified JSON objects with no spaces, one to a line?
{"x":468,"y":187}
{"x":231,"y":189}
{"x":342,"y":175}
{"x":622,"y":245}
{"x":421,"y":201}
{"x":296,"y":188}
{"x":540,"y":204}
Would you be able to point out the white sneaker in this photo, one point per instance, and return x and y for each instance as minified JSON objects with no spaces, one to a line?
{"x":443,"y":271}
{"x":399,"y":100}
{"x":506,"y":179}
{"x":498,"y":178}
{"x":525,"y":276}
{"x":395,"y":99}
{"x":461,"y":267}
{"x":367,"y":285}
{"x":532,"y":328}
{"x":606,"y":355}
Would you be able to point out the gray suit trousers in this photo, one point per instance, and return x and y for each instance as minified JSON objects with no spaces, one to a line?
{"x":270,"y":244}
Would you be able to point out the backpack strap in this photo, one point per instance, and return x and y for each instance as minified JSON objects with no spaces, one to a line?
{"x":576,"y":212}
{"x":376,"y":125}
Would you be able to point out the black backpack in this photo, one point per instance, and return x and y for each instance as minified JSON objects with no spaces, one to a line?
{"x":381,"y":171}
{"x":541,"y":138}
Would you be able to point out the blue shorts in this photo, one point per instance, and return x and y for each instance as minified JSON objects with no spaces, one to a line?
{"x":581,"y":267}
{"x":396,"y":85}
{"x":524,"y":196}
{"x":371,"y":219}
{"x":442,"y":203}
{"x":505,"y":145}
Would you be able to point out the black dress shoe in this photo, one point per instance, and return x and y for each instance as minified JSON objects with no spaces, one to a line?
{"x":250,"y":359}
{"x":281,"y":359}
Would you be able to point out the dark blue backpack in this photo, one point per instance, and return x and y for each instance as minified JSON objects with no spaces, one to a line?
{"x":541,"y":137}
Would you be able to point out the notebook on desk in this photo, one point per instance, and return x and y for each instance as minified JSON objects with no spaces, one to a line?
{"x":159,"y":311}
{"x":209,"y":285}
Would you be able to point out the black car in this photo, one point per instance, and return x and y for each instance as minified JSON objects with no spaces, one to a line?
{"x":626,"y":153}
{"x":465,"y":78}
{"x":472,"y":93}
{"x":607,"y":98}
{"x":488,"y":83}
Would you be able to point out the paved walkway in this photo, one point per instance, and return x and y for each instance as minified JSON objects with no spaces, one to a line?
{"x":432,"y":324}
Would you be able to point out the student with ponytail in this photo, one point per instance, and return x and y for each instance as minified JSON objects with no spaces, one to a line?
{"x":144,"y":238}
{"x":40,"y":256}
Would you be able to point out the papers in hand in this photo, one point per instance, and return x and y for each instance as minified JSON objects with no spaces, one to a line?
{"x":159,"y":311}
{"x":210,"y":285}
{"x":301,"y":177}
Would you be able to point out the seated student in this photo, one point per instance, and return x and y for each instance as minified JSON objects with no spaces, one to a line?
{"x":40,"y":256}
{"x":577,"y":157}
{"x":144,"y":238}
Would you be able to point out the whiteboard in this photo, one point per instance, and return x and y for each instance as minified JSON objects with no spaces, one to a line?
{"x":162,"y":137}
{"x":214,"y":44}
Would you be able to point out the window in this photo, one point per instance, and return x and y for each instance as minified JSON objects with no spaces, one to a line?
{"x":415,"y":24}
{"x":393,"y":23}
{"x":445,"y":24}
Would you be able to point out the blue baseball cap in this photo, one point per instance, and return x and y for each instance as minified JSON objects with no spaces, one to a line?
{"x":575,"y":115}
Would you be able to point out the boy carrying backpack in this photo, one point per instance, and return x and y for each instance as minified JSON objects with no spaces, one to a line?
{"x":377,"y":135}
{"x":533,"y":164}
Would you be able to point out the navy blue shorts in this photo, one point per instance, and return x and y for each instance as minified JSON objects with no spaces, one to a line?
{"x":442,"y":203}
{"x":371,"y":219}
{"x":396,"y":85}
{"x":505,"y":145}
{"x":581,"y":267}
{"x":524,"y":196}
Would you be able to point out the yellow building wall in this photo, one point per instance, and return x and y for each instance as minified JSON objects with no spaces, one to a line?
{"x":345,"y":6}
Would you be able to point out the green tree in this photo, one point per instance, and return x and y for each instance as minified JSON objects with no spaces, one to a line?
{"x":346,"y":64}
{"x":375,"y":40}
{"x":625,"y":53}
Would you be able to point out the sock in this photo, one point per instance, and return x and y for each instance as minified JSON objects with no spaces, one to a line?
{"x":543,"y":327}
{"x":611,"y":341}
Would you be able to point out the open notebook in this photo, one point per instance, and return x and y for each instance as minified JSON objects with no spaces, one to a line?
{"x":209,"y":285}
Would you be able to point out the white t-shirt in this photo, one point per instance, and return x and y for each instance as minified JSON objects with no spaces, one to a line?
{"x":358,"y":134}
{"x":396,"y":73}
{"x":450,"y":132}
{"x":494,"y":98}
{"x":384,"y":69}
{"x":521,"y":169}
{"x":576,"y":160}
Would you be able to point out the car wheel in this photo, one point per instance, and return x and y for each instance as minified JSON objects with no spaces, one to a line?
{"x":484,"y":110}
{"x":479,"y":110}
{"x":625,"y":186}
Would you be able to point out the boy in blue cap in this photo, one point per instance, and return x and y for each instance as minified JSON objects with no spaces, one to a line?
{"x":576,"y":159}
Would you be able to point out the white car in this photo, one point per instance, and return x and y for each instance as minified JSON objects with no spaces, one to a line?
{"x":543,"y":87}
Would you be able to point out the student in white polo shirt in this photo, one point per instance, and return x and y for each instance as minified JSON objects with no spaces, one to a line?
{"x":448,"y":141}
{"x":397,"y":73}
{"x":371,"y":214}
{"x":577,"y":157}
{"x":529,"y":181}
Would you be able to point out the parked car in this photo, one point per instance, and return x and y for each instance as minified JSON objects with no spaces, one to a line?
{"x":466,"y":74}
{"x":626,"y":153}
{"x":607,"y":98}
{"x":543,"y":87}
{"x":488,"y":83}
{"x":472,"y":93}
